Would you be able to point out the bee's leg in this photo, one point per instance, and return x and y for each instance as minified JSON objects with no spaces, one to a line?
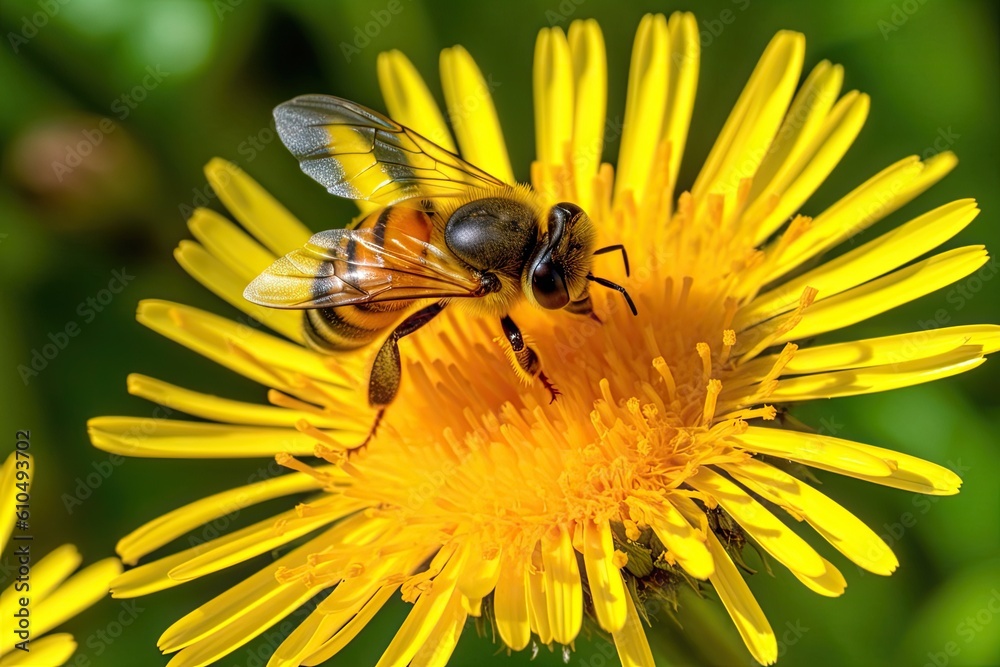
{"x":387,"y":371}
{"x":584,"y":307}
{"x":526,"y":357}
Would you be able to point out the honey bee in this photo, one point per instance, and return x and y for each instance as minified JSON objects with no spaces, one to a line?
{"x":445,"y":230}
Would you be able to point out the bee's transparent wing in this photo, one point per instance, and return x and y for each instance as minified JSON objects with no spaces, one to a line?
{"x":360,"y":154}
{"x":351,"y":266}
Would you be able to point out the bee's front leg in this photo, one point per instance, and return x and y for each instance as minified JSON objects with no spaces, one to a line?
{"x":584,"y":306}
{"x":387,"y":371}
{"x":526,"y":357}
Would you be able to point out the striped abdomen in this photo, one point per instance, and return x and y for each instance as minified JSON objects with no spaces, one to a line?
{"x":356,"y":325}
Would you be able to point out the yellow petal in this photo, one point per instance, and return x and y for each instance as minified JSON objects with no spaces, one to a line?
{"x":229,"y":286}
{"x":510,"y":604}
{"x":472,"y":606}
{"x":263,"y":358}
{"x":562,"y":585}
{"x":479,"y":574}
{"x":228,"y":638}
{"x":422,"y":619}
{"x":149,"y":578}
{"x":304,"y":640}
{"x":76,"y":594}
{"x":441,"y":643}
{"x":830,"y":584}
{"x":471,"y":111}
{"x":538,"y":603}
{"x":46,"y":574}
{"x":645,"y":106}
{"x":182,"y":520}
{"x":49,"y":651}
{"x":876,"y":198}
{"x":552,"y":83}
{"x":44,"y":577}
{"x":15,"y":476}
{"x":630,"y":640}
{"x":339,"y":623}
{"x":773,"y":536}
{"x":173,"y":438}
{"x":357,"y":623}
{"x":261,"y":597}
{"x":604,"y":580}
{"x":741,"y":605}
{"x":878,"y":296}
{"x":218,"y":335}
{"x":824,"y":152}
{"x":153,"y":576}
{"x":590,"y":77}
{"x":911,"y":473}
{"x":813,"y":449}
{"x":262,"y":537}
{"x":871,"y":260}
{"x":838,"y":526}
{"x":255,"y":209}
{"x":230,"y":244}
{"x":227,"y":410}
{"x":353,"y":593}
{"x":685,"y":543}
{"x":878,"y":378}
{"x":884,"y":351}
{"x":409,"y":101}
{"x":755,"y":119}
{"x":806,"y":115}
{"x":682,"y":84}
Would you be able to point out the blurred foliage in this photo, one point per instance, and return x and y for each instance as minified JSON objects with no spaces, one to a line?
{"x":184,"y":80}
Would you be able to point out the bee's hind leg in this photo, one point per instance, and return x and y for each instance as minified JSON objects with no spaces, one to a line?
{"x":526,"y":357}
{"x":383,"y":383}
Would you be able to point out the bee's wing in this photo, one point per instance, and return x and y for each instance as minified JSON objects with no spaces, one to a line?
{"x":360,"y":154}
{"x":349,"y":266}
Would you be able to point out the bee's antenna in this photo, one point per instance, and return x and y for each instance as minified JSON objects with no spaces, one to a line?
{"x":604,"y":282}
{"x":613,"y":248}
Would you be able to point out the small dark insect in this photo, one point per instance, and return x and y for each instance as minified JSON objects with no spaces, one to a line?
{"x":446,"y":230}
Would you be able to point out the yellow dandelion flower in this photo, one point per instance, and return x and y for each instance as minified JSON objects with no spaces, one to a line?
{"x":480,"y":498}
{"x":42,"y":593}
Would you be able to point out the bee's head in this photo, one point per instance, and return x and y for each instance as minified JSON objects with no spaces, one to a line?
{"x":556,"y":273}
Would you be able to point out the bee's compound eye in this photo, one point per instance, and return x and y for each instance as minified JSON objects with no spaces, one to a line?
{"x":548,"y":286}
{"x":567,"y":210}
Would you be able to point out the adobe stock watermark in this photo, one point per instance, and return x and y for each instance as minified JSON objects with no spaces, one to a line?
{"x":958,"y":296}
{"x":787,"y":636}
{"x":122,"y":107}
{"x":893,"y":533}
{"x":563,"y":11}
{"x":273,"y":637}
{"x":876,"y":210}
{"x":59,"y":340}
{"x":249,"y":149}
{"x":85,"y":486}
{"x":232,"y":510}
{"x":100,"y":640}
{"x":606,"y":653}
{"x":461,"y":109}
{"x":32,"y":23}
{"x":712,"y":28}
{"x":224,"y":7}
{"x":967,"y":630}
{"x":901,"y":13}
{"x":364,"y":34}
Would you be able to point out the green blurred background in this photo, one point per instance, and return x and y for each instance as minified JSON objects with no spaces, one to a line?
{"x":208,"y":74}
